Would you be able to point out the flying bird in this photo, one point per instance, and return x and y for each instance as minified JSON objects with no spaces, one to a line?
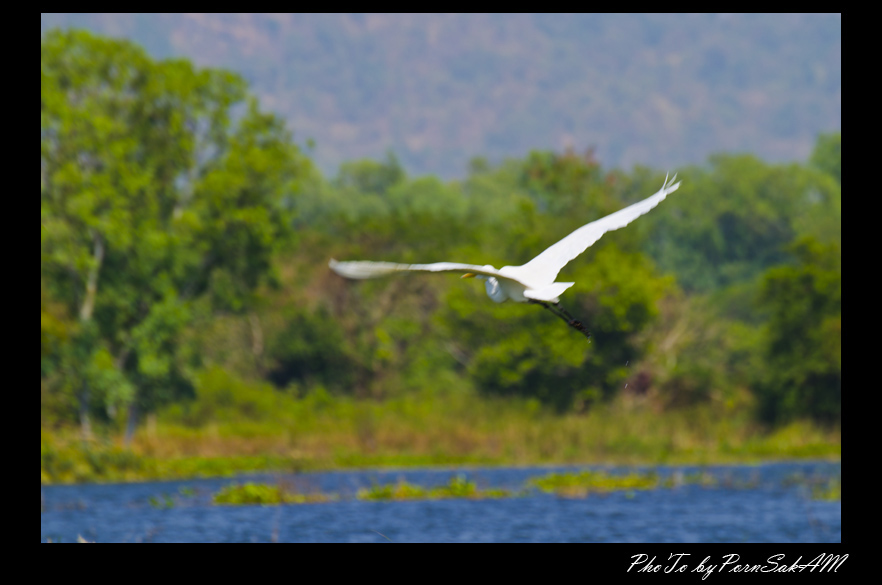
{"x":532,"y":282}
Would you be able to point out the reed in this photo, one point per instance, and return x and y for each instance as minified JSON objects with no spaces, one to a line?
{"x":458,"y":429}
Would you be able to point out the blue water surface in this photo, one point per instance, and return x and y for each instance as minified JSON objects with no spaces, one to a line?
{"x":751,"y":503}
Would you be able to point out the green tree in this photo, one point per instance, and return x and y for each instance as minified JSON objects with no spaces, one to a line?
{"x":367,"y":176}
{"x":803,"y":349}
{"x":557,"y":181}
{"x":827,"y":155}
{"x":160,"y":192}
{"x":54,"y":324}
{"x":309,"y":351}
{"x":730,"y":222}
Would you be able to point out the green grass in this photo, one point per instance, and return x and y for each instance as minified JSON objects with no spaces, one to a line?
{"x":72,"y":461}
{"x":324,"y":432}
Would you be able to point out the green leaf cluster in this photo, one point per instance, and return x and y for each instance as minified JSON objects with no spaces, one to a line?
{"x":803,"y":337}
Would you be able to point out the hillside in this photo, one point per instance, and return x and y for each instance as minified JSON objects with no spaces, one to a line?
{"x":660,"y":90}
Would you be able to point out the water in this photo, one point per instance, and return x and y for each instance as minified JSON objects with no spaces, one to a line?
{"x":748,"y":504}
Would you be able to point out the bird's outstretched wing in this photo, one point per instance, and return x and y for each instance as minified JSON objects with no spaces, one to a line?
{"x":543,"y":268}
{"x":365,"y":269}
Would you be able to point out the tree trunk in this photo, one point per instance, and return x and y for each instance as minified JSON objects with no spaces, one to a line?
{"x":131,"y":424}
{"x":92,"y":280}
{"x":85,"y":422}
{"x":85,"y":316}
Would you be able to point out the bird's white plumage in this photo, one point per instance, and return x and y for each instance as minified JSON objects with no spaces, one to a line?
{"x":366,"y":269}
{"x":545,"y":267}
{"x":533,"y":280}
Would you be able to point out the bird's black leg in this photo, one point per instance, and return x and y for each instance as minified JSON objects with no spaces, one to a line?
{"x":556,"y":309}
{"x":573,"y":322}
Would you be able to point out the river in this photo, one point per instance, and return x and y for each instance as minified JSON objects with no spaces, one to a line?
{"x":746,"y":503}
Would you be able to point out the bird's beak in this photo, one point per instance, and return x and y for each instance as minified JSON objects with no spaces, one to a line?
{"x":468,"y":275}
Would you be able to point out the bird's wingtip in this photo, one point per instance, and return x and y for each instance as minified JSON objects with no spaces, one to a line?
{"x":669,"y":184}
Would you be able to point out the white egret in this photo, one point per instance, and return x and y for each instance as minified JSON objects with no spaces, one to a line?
{"x":532,"y":282}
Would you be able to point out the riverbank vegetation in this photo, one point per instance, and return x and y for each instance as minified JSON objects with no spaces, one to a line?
{"x":349,"y":433}
{"x":190,"y":325}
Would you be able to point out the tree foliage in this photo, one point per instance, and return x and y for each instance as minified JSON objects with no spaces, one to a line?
{"x":521,"y":350}
{"x":827,"y":155}
{"x":803,"y":346}
{"x":160,"y":188}
{"x":730,"y":222}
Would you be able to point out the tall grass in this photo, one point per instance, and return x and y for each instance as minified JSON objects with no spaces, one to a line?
{"x":237,"y":427}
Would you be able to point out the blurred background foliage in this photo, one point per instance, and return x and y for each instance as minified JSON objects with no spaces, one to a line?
{"x":185,"y":241}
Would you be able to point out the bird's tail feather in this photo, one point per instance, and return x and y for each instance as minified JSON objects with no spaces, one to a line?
{"x":548,"y":293}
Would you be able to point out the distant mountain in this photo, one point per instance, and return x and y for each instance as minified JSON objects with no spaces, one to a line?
{"x":658,"y":90}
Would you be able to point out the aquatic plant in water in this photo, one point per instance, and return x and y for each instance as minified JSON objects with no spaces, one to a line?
{"x":830,"y":491}
{"x":821,"y":488}
{"x":457,"y":487}
{"x":583,"y":483}
{"x":163,"y":502}
{"x":263,"y":494}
